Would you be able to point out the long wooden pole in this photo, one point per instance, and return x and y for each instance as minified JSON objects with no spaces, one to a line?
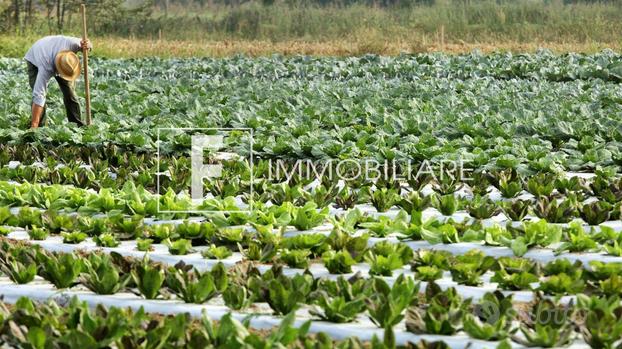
{"x":85,"y":57}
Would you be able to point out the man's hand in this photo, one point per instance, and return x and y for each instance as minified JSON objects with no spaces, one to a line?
{"x":37,"y":111}
{"x":86,"y":44}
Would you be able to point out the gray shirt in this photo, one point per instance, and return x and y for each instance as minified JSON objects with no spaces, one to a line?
{"x":42,"y":55}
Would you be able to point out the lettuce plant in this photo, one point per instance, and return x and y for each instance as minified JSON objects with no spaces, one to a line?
{"x":385,"y":225}
{"x":28,"y":217}
{"x":341,"y":238}
{"x":59,"y":269}
{"x":148,"y":278}
{"x":575,"y":184}
{"x":286,"y":294}
{"x":516,"y":210}
{"x":432,"y":258}
{"x":336,"y":309}
{"x":386,"y":305}
{"x":541,"y":184}
{"x":5,"y":215}
{"x":93,"y":226}
{"x":159,"y":232}
{"x":596,"y":212}
{"x":576,"y":240}
{"x":556,"y":211}
{"x":4,"y":231}
{"x":428,"y":273}
{"x":446,"y":184}
{"x":19,"y":264}
{"x":283,"y":192}
{"x":442,"y":314}
{"x":531,"y":234}
{"x":338,"y":262}
{"x":479,"y":184}
{"x":347,"y":198}
{"x":307,"y":217}
{"x":322,"y":195}
{"x":494,"y":235}
{"x":563,"y":265}
{"x":608,"y":189}
{"x":383,"y":198}
{"x":256,"y":251}
{"x":266,"y":234}
{"x":602,"y":324}
{"x":179,"y":247}
{"x":482,"y":207}
{"x":56,"y":223}
{"x":562,"y":284}
{"x":237,"y":297}
{"x":37,"y":233}
{"x":414,"y":201}
{"x":418,"y":180}
{"x":194,"y":230}
{"x":387,"y":248}
{"x":548,"y":327}
{"x":193,"y":286}
{"x":510,"y":188}
{"x":491,"y":319}
{"x":316,"y":243}
{"x":127,"y":227}
{"x":144,"y":244}
{"x":468,"y":268}
{"x":516,"y":273}
{"x":106,"y":240}
{"x":74,"y":237}
{"x":447,"y":204}
{"x":231,"y":235}
{"x":217,"y":252}
{"x":295,"y":258}
{"x":383,"y":265}
{"x":514,"y":281}
{"x":100,"y":275}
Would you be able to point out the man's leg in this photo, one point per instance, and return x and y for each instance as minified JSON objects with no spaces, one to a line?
{"x":71,"y":100}
{"x":32,"y":78}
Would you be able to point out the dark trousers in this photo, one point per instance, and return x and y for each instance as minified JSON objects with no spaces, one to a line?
{"x":72,"y":106}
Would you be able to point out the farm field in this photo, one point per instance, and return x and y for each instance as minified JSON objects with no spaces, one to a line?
{"x":448,"y":201}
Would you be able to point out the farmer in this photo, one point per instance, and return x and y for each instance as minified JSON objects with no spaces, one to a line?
{"x":55,"y":56}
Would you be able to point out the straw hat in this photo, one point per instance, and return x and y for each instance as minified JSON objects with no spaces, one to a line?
{"x":67,"y":65}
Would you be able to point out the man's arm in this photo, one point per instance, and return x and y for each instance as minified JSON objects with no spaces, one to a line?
{"x":37,"y":111}
{"x":86,"y":43}
{"x":78,"y":44}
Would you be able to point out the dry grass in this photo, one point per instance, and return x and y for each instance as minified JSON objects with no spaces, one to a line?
{"x":113,"y":47}
{"x":125,"y":48}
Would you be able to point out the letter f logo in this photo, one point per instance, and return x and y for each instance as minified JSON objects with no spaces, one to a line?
{"x":200,"y":170}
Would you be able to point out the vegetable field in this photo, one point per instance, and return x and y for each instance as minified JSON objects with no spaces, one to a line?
{"x":492,"y":219}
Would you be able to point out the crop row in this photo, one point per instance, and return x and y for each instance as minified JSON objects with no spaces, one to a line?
{"x":571,"y":124}
{"x":341,"y":300}
{"x":542,"y":65}
{"x":28,"y":324}
{"x":343,"y":248}
{"x":558,"y":199}
{"x":229,"y":227}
